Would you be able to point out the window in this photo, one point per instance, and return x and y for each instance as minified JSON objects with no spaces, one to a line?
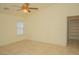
{"x":20,"y":27}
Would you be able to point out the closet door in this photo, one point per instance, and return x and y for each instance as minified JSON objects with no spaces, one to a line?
{"x":74,"y":28}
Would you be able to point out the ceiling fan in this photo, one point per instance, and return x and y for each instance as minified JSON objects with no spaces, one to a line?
{"x":25,"y":8}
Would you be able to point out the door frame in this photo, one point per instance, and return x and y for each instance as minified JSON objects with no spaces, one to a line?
{"x":68,"y":21}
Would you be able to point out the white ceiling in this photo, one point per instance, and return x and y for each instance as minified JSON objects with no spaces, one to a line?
{"x":15,"y":6}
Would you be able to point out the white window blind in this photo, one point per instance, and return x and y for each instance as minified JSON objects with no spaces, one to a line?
{"x":20,"y":27}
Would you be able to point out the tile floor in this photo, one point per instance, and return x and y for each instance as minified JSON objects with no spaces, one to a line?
{"x":29,"y":47}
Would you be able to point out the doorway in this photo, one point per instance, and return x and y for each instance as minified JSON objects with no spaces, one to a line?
{"x":73,"y":31}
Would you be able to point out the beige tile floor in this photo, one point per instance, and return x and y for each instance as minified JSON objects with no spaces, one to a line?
{"x":28,"y":47}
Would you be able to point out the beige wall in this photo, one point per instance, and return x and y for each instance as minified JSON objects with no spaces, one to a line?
{"x":8,"y":28}
{"x":48,"y":24}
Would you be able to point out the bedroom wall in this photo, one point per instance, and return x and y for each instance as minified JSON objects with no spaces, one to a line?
{"x":50,"y":24}
{"x":8,"y":28}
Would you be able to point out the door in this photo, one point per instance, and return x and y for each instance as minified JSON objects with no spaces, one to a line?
{"x":72,"y":28}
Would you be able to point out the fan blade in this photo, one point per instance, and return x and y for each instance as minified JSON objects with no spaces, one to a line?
{"x":33,"y":8}
{"x":29,"y":11}
{"x":6,"y":8}
{"x":26,"y":4}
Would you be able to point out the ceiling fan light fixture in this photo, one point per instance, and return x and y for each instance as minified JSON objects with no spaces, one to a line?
{"x":24,"y":10}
